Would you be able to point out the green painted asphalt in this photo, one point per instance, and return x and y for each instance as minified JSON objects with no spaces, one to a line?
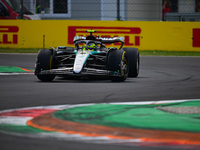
{"x":19,"y":129}
{"x":6,"y":69}
{"x":135,"y":116}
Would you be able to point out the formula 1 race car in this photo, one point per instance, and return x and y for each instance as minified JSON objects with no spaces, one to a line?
{"x":90,"y":57}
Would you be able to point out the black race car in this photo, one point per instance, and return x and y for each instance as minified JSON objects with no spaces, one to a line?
{"x":90,"y":57}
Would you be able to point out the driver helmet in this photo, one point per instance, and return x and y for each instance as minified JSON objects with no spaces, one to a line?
{"x":90,"y":46}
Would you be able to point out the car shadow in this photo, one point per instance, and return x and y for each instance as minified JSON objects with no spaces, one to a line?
{"x":86,"y":79}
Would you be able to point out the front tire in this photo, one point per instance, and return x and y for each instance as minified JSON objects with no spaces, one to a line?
{"x":134,"y":61}
{"x":117,"y":61}
{"x":45,"y":61}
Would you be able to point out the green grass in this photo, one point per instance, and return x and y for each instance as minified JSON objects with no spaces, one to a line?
{"x":169,"y":53}
{"x":142,"y":52}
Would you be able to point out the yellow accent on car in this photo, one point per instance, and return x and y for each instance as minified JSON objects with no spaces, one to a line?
{"x":50,"y":61}
{"x":91,"y":31}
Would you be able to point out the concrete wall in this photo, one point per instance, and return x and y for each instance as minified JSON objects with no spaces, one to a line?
{"x":186,"y":6}
{"x":148,"y":10}
{"x":109,"y":9}
{"x":85,"y":9}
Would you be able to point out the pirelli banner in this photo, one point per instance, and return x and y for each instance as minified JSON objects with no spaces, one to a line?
{"x":176,"y":36}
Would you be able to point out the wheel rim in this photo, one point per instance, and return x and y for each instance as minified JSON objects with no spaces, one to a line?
{"x":124,"y":67}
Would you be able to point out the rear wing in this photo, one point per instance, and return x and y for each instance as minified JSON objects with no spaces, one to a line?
{"x":78,"y":38}
{"x":103,"y":40}
{"x":106,"y":40}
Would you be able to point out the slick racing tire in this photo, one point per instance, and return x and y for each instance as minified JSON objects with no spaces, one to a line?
{"x":117,"y":61}
{"x":133,"y":61}
{"x":45,"y":61}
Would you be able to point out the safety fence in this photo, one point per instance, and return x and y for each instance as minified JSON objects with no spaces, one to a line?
{"x":129,"y":10}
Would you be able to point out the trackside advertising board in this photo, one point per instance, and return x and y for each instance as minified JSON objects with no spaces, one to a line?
{"x":177,"y":36}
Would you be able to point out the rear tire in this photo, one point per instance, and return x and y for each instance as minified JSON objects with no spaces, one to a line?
{"x":133,"y":61}
{"x":117,"y":61}
{"x":45,"y":61}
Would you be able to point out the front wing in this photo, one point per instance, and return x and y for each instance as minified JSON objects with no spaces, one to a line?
{"x":85,"y":71}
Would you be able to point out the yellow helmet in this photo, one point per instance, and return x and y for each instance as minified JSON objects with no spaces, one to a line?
{"x":90,"y":46}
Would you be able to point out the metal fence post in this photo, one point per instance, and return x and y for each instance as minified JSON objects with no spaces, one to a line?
{"x":21,"y":11}
{"x":118,"y":9}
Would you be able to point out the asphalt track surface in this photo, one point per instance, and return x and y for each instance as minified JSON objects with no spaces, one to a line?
{"x":160,"y":78}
